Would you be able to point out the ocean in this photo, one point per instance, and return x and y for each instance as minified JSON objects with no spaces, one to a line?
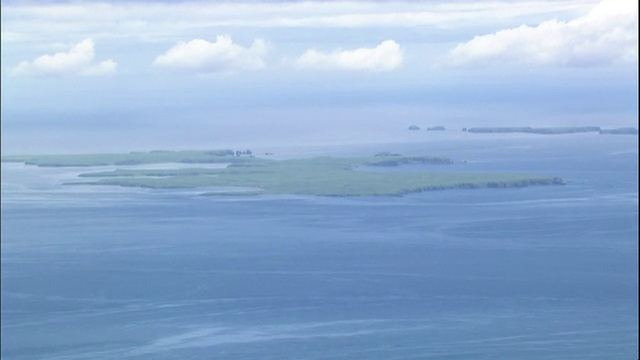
{"x":547,"y":272}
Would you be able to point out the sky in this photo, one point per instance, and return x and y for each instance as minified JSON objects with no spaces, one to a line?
{"x":107,"y":75}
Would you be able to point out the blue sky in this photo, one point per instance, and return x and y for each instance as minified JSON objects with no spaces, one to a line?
{"x":85,"y":68}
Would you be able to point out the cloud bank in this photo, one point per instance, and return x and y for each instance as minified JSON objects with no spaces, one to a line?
{"x":386,"y":56}
{"x":162,"y":19}
{"x":205,"y":57}
{"x":607,"y":35}
{"x":77,"y":61}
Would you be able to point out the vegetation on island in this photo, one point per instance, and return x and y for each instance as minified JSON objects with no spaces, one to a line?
{"x":134,"y":158}
{"x":410,"y":160}
{"x":323,"y":176}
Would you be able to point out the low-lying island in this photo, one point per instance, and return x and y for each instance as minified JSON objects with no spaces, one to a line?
{"x":249,"y":175}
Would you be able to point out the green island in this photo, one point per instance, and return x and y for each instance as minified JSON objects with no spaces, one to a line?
{"x":246,"y":174}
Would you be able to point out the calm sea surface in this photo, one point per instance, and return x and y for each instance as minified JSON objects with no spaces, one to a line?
{"x":545,"y":272}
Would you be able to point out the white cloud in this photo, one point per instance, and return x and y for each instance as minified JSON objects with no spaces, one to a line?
{"x":223,"y":55}
{"x":607,"y":35}
{"x":77,"y":61}
{"x":384,"y":57}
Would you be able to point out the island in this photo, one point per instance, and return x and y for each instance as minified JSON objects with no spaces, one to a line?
{"x":619,"y":131}
{"x":532,"y":130}
{"x":552,"y":130}
{"x":436,"y":128}
{"x":414,"y":127}
{"x":250,"y":175}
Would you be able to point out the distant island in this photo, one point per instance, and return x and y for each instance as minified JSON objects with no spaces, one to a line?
{"x":552,"y":130}
{"x":433,"y":128}
{"x":620,"y":131}
{"x":321,"y":176}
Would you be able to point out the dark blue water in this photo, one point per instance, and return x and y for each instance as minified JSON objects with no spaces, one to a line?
{"x":534,"y":273}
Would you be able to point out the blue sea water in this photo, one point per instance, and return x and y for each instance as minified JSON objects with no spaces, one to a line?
{"x":547,"y":272}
